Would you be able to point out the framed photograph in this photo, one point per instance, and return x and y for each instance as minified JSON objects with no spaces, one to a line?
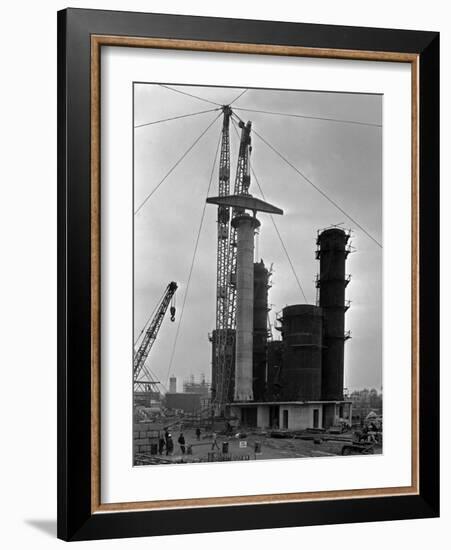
{"x":248,"y":274}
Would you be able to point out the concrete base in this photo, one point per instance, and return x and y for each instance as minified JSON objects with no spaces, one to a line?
{"x":292,"y":415}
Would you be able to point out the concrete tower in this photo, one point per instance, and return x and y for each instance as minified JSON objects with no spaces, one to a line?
{"x":302,"y":327}
{"x":260,"y":337}
{"x":332,"y":253}
{"x":245,"y":226}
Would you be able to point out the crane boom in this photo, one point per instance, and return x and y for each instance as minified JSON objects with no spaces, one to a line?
{"x":242,"y":182}
{"x":150,"y":335}
{"x":223,"y":224}
{"x":222,"y":273}
{"x":226,"y":258}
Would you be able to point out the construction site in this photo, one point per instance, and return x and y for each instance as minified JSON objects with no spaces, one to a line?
{"x":273,"y":389}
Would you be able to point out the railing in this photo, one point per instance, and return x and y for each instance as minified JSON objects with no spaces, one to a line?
{"x":318,"y":280}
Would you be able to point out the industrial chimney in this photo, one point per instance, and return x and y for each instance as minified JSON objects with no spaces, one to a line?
{"x":332,"y":281}
{"x":260,"y":340}
{"x":245,"y":226}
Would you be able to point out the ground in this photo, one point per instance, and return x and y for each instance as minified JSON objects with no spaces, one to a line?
{"x":244,"y":448}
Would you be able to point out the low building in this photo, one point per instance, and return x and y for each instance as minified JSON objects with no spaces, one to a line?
{"x":173,"y":384}
{"x":292,"y":415}
{"x":147,"y":399}
{"x":191,"y":386}
{"x":187,"y":402}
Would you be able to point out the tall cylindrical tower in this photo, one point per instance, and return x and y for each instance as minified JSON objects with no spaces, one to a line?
{"x":243,"y":264}
{"x":274,"y":379}
{"x":261,"y":285}
{"x":302,"y":346}
{"x":332,"y":282}
{"x":245,"y":227}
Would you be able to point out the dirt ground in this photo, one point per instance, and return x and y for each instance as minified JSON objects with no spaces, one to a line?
{"x":244,"y":449}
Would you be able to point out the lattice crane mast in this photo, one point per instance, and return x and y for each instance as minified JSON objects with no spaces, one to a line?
{"x":223,"y":224}
{"x":242,"y":183}
{"x":141,"y":375}
{"x":226,"y":258}
{"x":222,"y":274}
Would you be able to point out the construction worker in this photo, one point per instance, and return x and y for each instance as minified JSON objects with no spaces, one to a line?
{"x":181,"y":442}
{"x":214,"y":443}
{"x":169,"y":445}
{"x":161,"y":444}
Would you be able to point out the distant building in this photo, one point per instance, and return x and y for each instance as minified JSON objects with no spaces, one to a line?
{"x":194,"y":398}
{"x":363,"y":402}
{"x":187,"y":402}
{"x":173,"y":384}
{"x":202,"y":387}
{"x":147,"y":399}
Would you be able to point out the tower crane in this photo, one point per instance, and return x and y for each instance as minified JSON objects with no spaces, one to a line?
{"x":242,"y":182}
{"x":142,"y":377}
{"x":222,"y":335}
{"x":226,"y":255}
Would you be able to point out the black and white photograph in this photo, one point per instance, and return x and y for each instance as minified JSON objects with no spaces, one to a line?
{"x":257,"y":274}
{"x":223,"y":249}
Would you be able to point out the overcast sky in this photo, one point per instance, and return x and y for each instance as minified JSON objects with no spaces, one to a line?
{"x":344,"y":160}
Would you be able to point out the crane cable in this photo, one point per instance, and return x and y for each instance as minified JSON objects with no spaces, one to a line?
{"x":294,"y":115}
{"x":281,"y":240}
{"x":174,"y":166}
{"x":176,"y":117}
{"x":189,"y":114}
{"x":353,"y":220}
{"x":320,"y":191}
{"x":189,"y":95}
{"x":310,"y":117}
{"x":174,"y":346}
{"x":238,"y":97}
{"x":276,"y":228}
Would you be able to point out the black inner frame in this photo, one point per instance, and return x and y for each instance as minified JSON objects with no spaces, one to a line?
{"x":75,"y":521}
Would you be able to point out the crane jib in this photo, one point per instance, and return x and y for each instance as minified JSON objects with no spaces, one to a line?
{"x":152,"y":331}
